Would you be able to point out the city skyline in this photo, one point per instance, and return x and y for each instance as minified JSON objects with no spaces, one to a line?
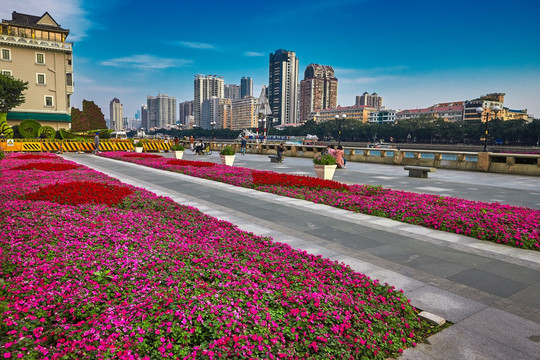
{"x":414,"y":54}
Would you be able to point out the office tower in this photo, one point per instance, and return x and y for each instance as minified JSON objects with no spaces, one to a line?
{"x":116,"y":115}
{"x":34,"y":49}
{"x":318,"y":90}
{"x":204,"y":88}
{"x":373,"y":100}
{"x":161,"y":111}
{"x":283,"y":86}
{"x":232,"y":92}
{"x":246,"y":87}
{"x":217,"y":110}
{"x":185,"y":111}
{"x":144,"y":117}
{"x":244,"y":113}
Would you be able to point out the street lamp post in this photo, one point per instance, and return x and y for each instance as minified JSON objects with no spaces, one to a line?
{"x":339,"y":119}
{"x":263,"y":122}
{"x":480,"y":111}
{"x":212,"y":124}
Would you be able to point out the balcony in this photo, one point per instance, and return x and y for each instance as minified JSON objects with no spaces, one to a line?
{"x":35,"y":43}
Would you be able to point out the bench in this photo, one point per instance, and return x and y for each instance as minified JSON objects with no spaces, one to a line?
{"x":419,"y":171}
{"x":274,"y":158}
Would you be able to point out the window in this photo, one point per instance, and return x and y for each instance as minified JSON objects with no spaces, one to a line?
{"x":40,"y":58}
{"x":69,"y":79}
{"x":7,"y":72}
{"x":6,"y":54}
{"x":49,"y":101}
{"x":40,"y":79}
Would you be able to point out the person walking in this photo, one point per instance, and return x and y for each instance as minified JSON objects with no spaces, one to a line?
{"x":96,"y":144}
{"x":243,"y":145}
{"x":191,"y":142}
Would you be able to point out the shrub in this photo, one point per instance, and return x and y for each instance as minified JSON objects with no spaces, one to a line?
{"x":29,"y":128}
{"x":139,"y":144}
{"x":227,"y":150}
{"x":325,"y":159}
{"x":2,"y":156}
{"x":49,"y":131}
{"x":178,"y":147}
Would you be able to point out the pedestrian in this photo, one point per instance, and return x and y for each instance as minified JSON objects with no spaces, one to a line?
{"x":176,"y":140}
{"x":243,"y":145}
{"x":340,"y":157}
{"x":191,"y":142}
{"x":96,"y":143}
{"x":280,"y":150}
{"x":199,"y":146}
{"x":332,"y":150}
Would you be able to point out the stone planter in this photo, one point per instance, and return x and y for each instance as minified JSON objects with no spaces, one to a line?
{"x":227,"y":159}
{"x":139,"y":149}
{"x":178,"y":154}
{"x":325,"y":172}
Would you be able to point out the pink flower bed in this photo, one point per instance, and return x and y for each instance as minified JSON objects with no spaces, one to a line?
{"x":504,"y":224}
{"x":146,"y":278}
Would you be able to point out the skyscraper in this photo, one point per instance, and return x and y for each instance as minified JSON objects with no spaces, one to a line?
{"x":116,"y":115}
{"x":283,"y":86}
{"x":373,"y":100}
{"x":232,"y":92}
{"x":318,"y":90}
{"x":204,"y":88}
{"x":217,"y":110}
{"x":144,"y":117}
{"x":246,"y":87}
{"x":161,"y":111}
{"x":185,"y":111}
{"x":244,"y":113}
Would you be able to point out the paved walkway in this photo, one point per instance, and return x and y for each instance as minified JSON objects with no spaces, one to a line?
{"x":490,"y":292}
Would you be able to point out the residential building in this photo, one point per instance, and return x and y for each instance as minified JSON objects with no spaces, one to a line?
{"x":232,"y":92}
{"x":185,"y":110}
{"x":382,"y":116}
{"x":246,"y":87}
{"x":116,"y":115}
{"x":360,"y":113}
{"x":204,"y":88}
{"x":487,"y":102}
{"x":144,"y":117}
{"x":318,"y":90}
{"x":217,"y":110}
{"x":161,"y":111}
{"x":34,"y":49}
{"x":452,"y":113}
{"x":283,"y":86}
{"x":373,"y":100}
{"x":244,"y":113}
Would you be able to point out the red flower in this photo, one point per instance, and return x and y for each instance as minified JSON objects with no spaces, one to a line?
{"x":271,"y":178}
{"x":34,"y":156}
{"x":147,"y":156}
{"x":47,"y":166}
{"x":190,"y":163}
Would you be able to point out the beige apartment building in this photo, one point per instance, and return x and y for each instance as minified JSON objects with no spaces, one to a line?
{"x":360,"y":113}
{"x":243,"y":113}
{"x":34,"y":49}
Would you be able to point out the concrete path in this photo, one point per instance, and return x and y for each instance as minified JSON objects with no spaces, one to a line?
{"x":490,"y":292}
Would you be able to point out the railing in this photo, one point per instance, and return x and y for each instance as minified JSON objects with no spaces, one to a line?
{"x":16,"y":40}
{"x":506,"y":163}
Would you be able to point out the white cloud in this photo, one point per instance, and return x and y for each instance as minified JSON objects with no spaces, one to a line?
{"x":196,"y":45}
{"x":68,"y":13}
{"x":253,"y":53}
{"x":147,"y":62}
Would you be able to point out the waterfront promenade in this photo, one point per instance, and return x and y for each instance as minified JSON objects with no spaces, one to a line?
{"x":490,"y":292}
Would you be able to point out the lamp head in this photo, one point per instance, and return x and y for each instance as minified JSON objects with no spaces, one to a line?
{"x":479,"y":109}
{"x":496,"y":109}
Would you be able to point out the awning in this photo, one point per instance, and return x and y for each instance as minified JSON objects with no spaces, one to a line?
{"x":19,"y":116}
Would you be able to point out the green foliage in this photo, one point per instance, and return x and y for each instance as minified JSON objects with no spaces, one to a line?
{"x":49,"y":131}
{"x":91,"y":117}
{"x":325,"y":159}
{"x":4,"y":127}
{"x":227,"y":150}
{"x":2,"y":156}
{"x":16,"y":133}
{"x":29,"y":128}
{"x":139,"y":144}
{"x":178,"y":147}
{"x":11,"y":92}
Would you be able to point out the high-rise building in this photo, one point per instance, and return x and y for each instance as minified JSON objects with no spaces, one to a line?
{"x":204,"y":88}
{"x":185,"y":110}
{"x":246,"y":87}
{"x":116,"y":115}
{"x":34,"y":49}
{"x":243,"y":113}
{"x":283,"y":86}
{"x":161,"y":111}
{"x":373,"y":100}
{"x":232,"y":92}
{"x":144,"y":117}
{"x":217,"y":110}
{"x":318,"y":90}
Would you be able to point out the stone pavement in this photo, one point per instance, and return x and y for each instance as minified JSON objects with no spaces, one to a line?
{"x":490,"y":292}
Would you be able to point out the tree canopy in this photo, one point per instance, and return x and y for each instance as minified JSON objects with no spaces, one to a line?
{"x":11,"y":92}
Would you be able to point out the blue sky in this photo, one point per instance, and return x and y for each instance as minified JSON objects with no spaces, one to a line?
{"x":413,"y":53}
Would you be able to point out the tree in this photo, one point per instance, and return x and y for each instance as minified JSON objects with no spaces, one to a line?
{"x":11,"y":95}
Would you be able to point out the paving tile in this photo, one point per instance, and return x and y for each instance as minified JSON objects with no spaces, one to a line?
{"x":488,"y":282}
{"x":529,"y":296}
{"x":511,"y":271}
